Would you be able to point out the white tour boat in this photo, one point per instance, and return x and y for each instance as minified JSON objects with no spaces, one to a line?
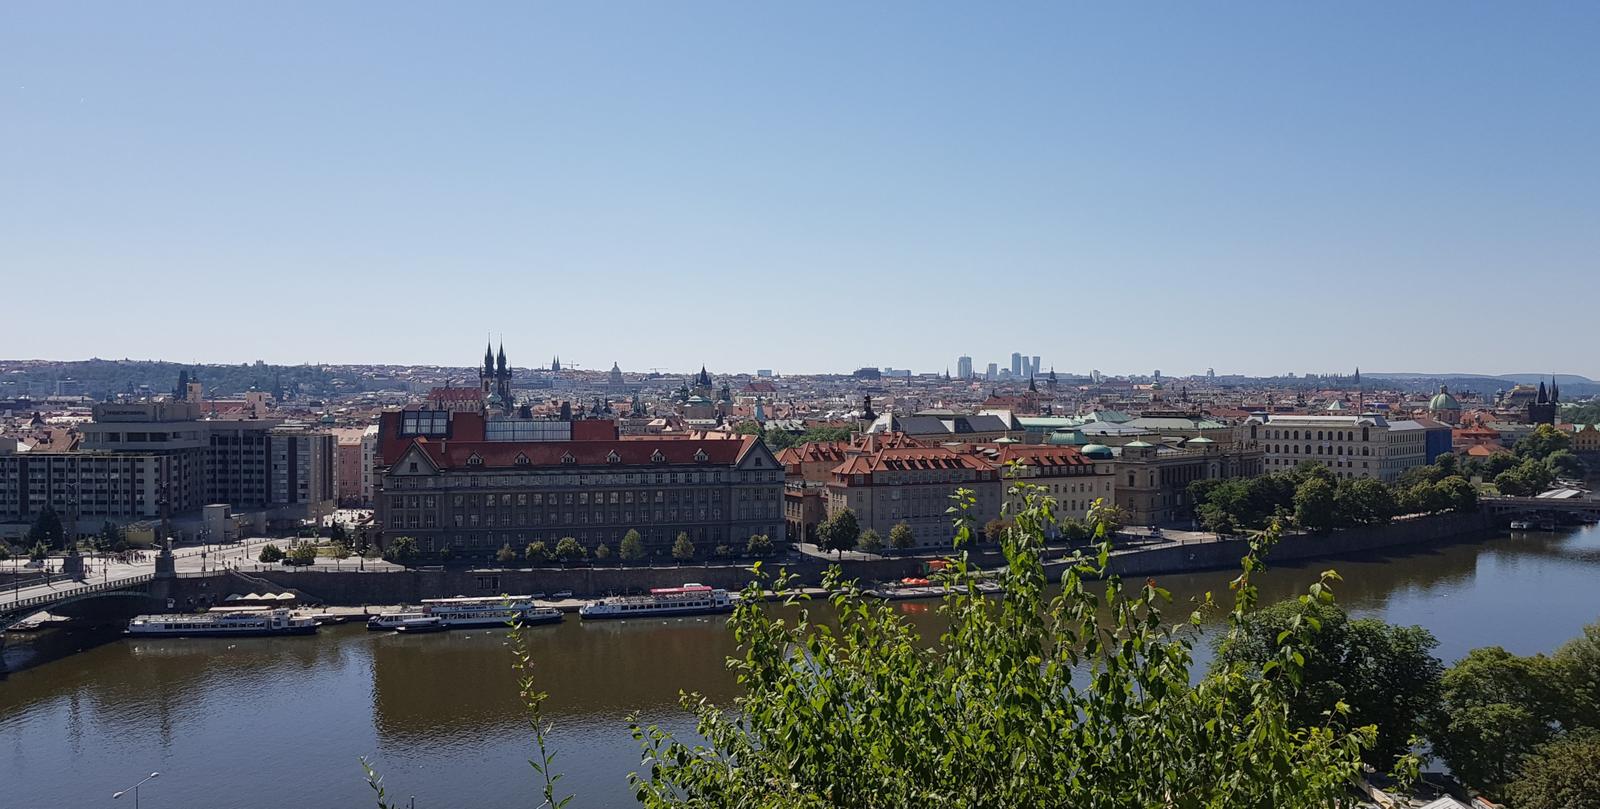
{"x":224,"y":624}
{"x":385,"y":621}
{"x":690,"y":599}
{"x":467,"y":612}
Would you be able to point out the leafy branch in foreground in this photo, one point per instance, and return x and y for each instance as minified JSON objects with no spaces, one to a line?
{"x":1084,"y":699}
{"x":533,"y":700}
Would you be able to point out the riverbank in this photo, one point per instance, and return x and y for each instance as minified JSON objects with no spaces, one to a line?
{"x":224,"y":719}
{"x":355,"y":588}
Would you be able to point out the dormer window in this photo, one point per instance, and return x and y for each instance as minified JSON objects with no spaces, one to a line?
{"x":475,"y":460}
{"x":522,"y":460}
{"x":566,"y":458}
{"x":700,"y":456}
{"x":657,"y":457}
{"x":613,"y":457}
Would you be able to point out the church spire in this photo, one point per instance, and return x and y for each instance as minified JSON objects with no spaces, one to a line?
{"x":488,"y":359}
{"x":500,"y":361}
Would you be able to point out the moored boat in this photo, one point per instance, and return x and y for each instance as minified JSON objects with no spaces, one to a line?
{"x":385,"y":621}
{"x":223,"y":624}
{"x":467,"y":612}
{"x":417,"y":626}
{"x":690,"y":599}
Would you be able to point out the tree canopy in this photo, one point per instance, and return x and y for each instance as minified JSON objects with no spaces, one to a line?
{"x":632,"y":547}
{"x":1386,"y":674}
{"x":994,"y":713}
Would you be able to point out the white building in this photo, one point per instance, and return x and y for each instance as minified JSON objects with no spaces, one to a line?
{"x":1350,"y":446}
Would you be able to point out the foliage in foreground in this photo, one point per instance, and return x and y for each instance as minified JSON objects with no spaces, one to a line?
{"x":1387,"y":674}
{"x":1081,"y":700}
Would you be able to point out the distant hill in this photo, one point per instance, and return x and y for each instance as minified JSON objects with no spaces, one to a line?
{"x":1528,"y":379}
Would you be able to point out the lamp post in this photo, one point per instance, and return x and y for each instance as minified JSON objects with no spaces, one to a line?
{"x":135,"y":789}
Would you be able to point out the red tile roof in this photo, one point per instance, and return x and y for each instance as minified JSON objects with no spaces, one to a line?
{"x":450,"y":454}
{"x":902,"y":459}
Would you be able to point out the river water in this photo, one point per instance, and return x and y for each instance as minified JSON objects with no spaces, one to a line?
{"x":280,"y":722}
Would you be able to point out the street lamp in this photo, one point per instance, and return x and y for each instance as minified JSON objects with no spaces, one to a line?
{"x":135,"y":789}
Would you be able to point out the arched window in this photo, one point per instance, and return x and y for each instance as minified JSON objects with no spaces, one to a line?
{"x":1364,"y":433}
{"x":1308,"y":449}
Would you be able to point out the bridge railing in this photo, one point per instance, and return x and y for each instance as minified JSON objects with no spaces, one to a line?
{"x":61,"y":595}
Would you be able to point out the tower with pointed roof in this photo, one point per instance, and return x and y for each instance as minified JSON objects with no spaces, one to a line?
{"x":1544,"y":407}
{"x":495,"y":380}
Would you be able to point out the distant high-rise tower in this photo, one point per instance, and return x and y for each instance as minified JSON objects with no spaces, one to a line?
{"x":964,"y":367}
{"x":1016,"y":363}
{"x":992,"y":372}
{"x":1033,"y":369}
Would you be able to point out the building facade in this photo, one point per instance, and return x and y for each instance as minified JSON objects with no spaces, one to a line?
{"x":1368,"y":446}
{"x":912,"y":485}
{"x":474,"y":496}
{"x":1152,"y":483}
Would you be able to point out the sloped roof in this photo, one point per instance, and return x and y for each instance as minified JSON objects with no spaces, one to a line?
{"x":632,"y":452}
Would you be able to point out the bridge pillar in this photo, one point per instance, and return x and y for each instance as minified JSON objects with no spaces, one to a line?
{"x":164,"y":583}
{"x":72,"y":566}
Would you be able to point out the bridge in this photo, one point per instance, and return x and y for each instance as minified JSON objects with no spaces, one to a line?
{"x":58,"y":591}
{"x":1575,"y":506}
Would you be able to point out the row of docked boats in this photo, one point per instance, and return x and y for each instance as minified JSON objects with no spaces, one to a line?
{"x":440,"y":614}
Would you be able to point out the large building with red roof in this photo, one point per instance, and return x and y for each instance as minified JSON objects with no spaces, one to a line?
{"x":472,"y":484}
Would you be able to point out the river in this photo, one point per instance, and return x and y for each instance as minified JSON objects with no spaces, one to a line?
{"x":281,"y":721}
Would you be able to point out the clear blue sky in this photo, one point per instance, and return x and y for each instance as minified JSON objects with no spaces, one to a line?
{"x":805,"y":186}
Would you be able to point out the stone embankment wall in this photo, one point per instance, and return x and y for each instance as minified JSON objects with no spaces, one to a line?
{"x":355,"y":588}
{"x":1185,"y":557}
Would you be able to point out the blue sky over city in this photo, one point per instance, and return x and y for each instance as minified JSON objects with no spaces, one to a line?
{"x":1255,"y":187}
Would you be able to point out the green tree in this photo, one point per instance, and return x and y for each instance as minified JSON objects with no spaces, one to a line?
{"x":1577,"y":665}
{"x":402,"y":551}
{"x":1457,"y":494}
{"x":870,"y":542}
{"x":778,"y":439}
{"x":39,"y":552}
{"x":632,"y":548}
{"x":1386,"y":674}
{"x":110,"y":538}
{"x":1563,"y":464}
{"x":341,"y":550}
{"x":723,"y":551}
{"x":748,"y":428}
{"x":840,"y":532}
{"x":1564,"y":774}
{"x":901,"y":537}
{"x":1544,"y":441}
{"x":447,"y":553}
{"x":537,"y":552}
{"x":1314,"y":505}
{"x":5,"y":552}
{"x":998,"y":712}
{"x":302,"y":553}
{"x":760,"y":546}
{"x":1364,"y":501}
{"x":270,"y":554}
{"x":505,"y":555}
{"x":47,"y":528}
{"x":1495,"y":710}
{"x":568,"y":550}
{"x":602,"y":553}
{"x":1526,"y":479}
{"x":337,"y":532}
{"x":683,"y":548}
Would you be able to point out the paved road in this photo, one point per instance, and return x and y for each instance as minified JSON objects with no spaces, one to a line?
{"x":239,"y":556}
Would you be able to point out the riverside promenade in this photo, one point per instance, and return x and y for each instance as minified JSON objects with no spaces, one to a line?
{"x":370,"y":583}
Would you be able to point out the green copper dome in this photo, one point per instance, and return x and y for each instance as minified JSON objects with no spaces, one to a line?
{"x":1099,"y":452}
{"x":1443,"y":400}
